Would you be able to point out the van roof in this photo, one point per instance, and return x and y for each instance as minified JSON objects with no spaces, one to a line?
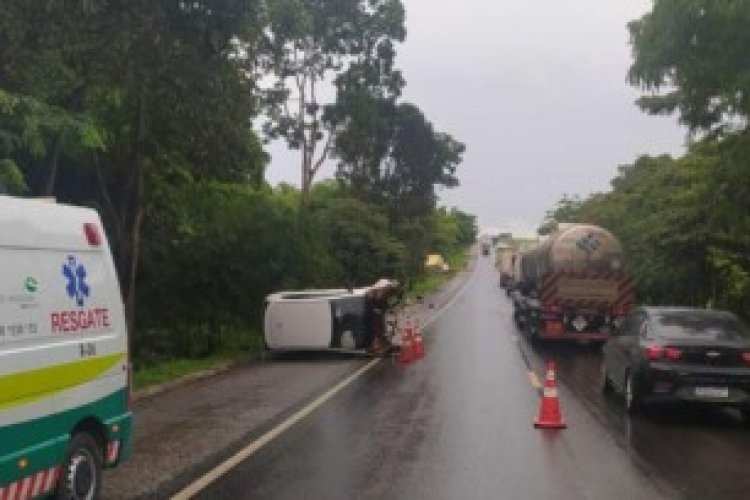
{"x":38,"y":223}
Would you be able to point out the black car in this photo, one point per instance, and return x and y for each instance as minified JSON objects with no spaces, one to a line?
{"x":679,"y":355}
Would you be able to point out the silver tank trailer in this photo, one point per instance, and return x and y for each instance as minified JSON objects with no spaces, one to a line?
{"x":572,"y":247}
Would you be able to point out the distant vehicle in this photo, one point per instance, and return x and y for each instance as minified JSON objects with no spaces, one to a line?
{"x":505,"y":257}
{"x":572,"y":286}
{"x":64,"y":366}
{"x":679,"y":354}
{"x":435,"y":263}
{"x":337,"y":319}
{"x":485,"y":243}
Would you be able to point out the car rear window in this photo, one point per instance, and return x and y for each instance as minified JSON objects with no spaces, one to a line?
{"x":701,"y":324}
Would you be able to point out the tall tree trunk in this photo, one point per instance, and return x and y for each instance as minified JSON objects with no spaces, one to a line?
{"x":49,"y":185}
{"x":134,"y":250}
{"x":130,"y":214}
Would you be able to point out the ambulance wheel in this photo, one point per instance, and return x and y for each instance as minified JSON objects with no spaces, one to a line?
{"x":81,"y":475}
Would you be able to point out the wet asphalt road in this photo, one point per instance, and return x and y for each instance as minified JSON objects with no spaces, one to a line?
{"x":458,"y":424}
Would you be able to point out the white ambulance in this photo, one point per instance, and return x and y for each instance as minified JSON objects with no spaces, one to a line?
{"x":64,"y":364}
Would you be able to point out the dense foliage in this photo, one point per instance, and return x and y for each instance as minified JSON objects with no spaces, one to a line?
{"x":685,"y":222}
{"x":145,"y":110}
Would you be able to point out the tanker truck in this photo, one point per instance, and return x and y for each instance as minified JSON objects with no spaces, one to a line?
{"x":505,"y":257}
{"x":572,"y":285}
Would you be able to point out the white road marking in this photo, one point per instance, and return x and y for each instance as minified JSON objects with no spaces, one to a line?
{"x":211,"y":476}
{"x":535,"y":383}
{"x":447,"y":306}
{"x":256,"y":445}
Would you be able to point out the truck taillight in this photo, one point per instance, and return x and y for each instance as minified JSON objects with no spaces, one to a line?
{"x":620,"y":310}
{"x":746,"y":357}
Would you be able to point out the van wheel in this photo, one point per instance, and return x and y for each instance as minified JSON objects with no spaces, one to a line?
{"x":81,"y":475}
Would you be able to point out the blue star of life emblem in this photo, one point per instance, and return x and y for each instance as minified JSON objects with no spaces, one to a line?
{"x":76,"y":276}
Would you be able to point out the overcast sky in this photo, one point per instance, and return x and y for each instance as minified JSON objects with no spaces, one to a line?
{"x":536,"y":90}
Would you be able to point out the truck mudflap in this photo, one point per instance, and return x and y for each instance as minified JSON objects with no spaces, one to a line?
{"x":545,"y":334}
{"x":557,"y":330}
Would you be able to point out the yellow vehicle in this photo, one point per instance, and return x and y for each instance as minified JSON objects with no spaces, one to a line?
{"x":435,"y":262}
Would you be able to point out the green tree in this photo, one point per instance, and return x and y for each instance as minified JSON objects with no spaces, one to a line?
{"x":142,"y":87}
{"x":307,"y":44}
{"x":391,"y":154}
{"x":357,"y":236}
{"x":692,"y":56}
{"x":689,"y":56}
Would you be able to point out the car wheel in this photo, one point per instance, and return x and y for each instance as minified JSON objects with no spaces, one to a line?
{"x":746,"y":415}
{"x":606,"y":383}
{"x":632,"y":398}
{"x":81,"y":476}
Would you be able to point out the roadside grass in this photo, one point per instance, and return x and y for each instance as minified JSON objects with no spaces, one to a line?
{"x":430,"y":282}
{"x":167,"y":371}
{"x":164,"y":371}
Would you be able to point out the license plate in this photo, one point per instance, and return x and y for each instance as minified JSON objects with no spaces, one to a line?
{"x":712,"y":392}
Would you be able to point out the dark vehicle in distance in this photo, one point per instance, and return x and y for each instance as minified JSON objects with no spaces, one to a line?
{"x":666,"y":354}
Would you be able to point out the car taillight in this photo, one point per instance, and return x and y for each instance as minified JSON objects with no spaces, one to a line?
{"x":672,"y":353}
{"x":746,"y":357}
{"x":654,"y":352}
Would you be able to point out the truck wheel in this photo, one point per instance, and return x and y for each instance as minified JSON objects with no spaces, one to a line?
{"x":81,"y":475}
{"x":531,"y":329}
{"x":534,"y":333}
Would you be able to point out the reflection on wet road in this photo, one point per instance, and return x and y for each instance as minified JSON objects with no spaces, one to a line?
{"x":458,"y":424}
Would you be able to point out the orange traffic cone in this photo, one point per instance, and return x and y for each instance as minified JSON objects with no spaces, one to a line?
{"x":549,"y":410}
{"x":418,"y":342}
{"x":406,"y":354}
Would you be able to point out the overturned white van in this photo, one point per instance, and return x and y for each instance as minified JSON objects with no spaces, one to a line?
{"x":340,"y":319}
